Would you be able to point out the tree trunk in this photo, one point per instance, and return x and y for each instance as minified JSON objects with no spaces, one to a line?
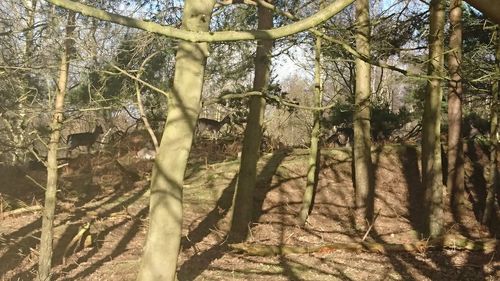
{"x":431,"y":146}
{"x":30,"y":26}
{"x":45,"y":259}
{"x":455,"y":181}
{"x":363,"y":171}
{"x":494,"y":139}
{"x":159,"y":260}
{"x":314,"y":151}
{"x":243,"y":197}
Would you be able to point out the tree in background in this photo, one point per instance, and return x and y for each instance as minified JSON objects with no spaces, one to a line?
{"x":455,"y":180}
{"x":25,"y":87}
{"x":314,"y":149}
{"x":244,"y":194}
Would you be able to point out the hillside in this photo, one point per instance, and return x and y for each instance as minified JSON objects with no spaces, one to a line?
{"x":101,"y":220}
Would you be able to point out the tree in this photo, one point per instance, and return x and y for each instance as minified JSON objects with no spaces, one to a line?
{"x":45,"y":258}
{"x":244,"y":193}
{"x":159,"y":261}
{"x":363,"y":171}
{"x":492,"y":180}
{"x":314,"y":150}
{"x":22,"y":84}
{"x":455,"y":180}
{"x":431,"y":147}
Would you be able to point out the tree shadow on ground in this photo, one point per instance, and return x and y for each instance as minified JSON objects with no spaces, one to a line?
{"x":195,"y":265}
{"x":409,"y":160}
{"x":220,"y":210}
{"x":264,"y":180}
{"x":67,"y":228}
{"x":476,"y":190}
{"x":120,"y":247}
{"x":21,"y":242}
{"x":441,"y":266}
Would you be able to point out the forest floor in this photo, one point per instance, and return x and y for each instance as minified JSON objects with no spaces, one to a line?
{"x":101,"y":219}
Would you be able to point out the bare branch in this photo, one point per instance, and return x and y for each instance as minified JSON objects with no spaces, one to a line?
{"x":219,"y":36}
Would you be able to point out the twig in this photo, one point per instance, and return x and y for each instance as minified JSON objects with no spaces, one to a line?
{"x":370,"y":225}
{"x":78,"y":237}
{"x":35,"y":182}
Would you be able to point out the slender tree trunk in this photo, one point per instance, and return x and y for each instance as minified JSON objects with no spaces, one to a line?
{"x":244,"y":193}
{"x":30,"y":10}
{"x":46,"y":250}
{"x":159,"y":260}
{"x":314,"y":151}
{"x":431,"y":146}
{"x":363,"y":171}
{"x":455,"y":181}
{"x":494,"y":139}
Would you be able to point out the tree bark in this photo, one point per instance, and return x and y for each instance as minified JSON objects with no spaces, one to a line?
{"x":243,"y":197}
{"x":314,"y":151}
{"x":494,"y":139}
{"x":455,"y":180}
{"x":46,"y":239}
{"x":363,"y":171}
{"x":159,"y":260}
{"x":431,"y":146}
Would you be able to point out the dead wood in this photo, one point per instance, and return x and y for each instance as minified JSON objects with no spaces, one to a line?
{"x":22,"y":210}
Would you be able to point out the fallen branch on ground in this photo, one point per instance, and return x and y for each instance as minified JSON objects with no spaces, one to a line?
{"x":22,"y":210}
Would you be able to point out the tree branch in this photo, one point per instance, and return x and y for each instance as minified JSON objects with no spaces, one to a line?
{"x":219,"y":36}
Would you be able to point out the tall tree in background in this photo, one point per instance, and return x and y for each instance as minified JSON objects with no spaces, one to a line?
{"x":455,"y":180}
{"x":314,"y":150}
{"x":363,"y":171}
{"x":431,"y":146}
{"x":492,"y":180}
{"x":46,"y":240}
{"x":159,"y":261}
{"x":244,"y":194}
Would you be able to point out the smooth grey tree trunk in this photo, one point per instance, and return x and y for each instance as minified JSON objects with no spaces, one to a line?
{"x":363,"y":170}
{"x":431,"y":145}
{"x":159,"y":260}
{"x":244,"y":194}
